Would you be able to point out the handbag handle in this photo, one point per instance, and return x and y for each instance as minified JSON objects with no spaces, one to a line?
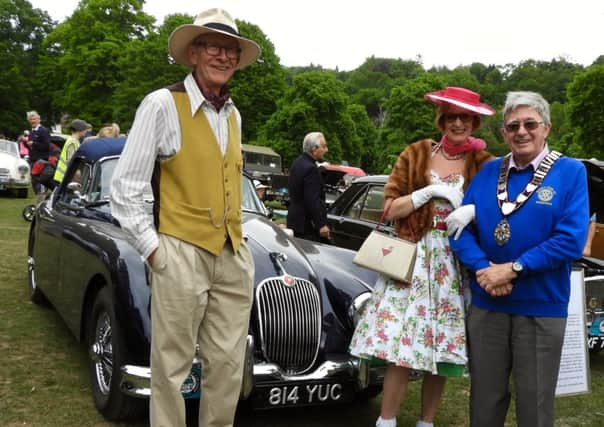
{"x":384,"y":213}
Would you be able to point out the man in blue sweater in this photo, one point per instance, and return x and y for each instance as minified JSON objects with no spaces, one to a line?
{"x":531,"y":216}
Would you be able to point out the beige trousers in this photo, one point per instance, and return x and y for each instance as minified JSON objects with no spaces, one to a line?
{"x":198,"y":298}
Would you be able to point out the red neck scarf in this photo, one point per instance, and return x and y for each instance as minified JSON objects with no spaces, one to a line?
{"x":471,"y":144}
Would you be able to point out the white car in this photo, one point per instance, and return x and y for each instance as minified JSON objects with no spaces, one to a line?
{"x":14,"y":171}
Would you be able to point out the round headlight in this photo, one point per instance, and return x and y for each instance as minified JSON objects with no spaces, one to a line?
{"x":357,"y":306}
{"x":593,"y":303}
{"x":23,"y":169}
{"x":602,"y":326}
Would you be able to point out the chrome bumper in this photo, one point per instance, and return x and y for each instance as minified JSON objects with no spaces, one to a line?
{"x":136,"y":380}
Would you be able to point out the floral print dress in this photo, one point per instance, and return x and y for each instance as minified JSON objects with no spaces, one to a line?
{"x":422,"y":325}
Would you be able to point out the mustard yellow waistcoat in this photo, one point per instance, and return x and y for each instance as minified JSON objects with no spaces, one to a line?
{"x":199,"y":189}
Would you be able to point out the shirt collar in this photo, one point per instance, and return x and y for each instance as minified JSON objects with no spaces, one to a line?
{"x":534,"y":163}
{"x":196,"y":97}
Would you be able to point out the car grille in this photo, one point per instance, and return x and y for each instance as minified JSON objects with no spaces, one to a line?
{"x":289,"y":315}
{"x":4,"y":172}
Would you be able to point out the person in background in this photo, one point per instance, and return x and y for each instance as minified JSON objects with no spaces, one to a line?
{"x":109,"y":130}
{"x":421,"y":325}
{"x":188,"y":138}
{"x":531,"y":219}
{"x":39,"y":149}
{"x":78,"y":130}
{"x":23,"y":145}
{"x":307,"y":212}
{"x":260,"y":189}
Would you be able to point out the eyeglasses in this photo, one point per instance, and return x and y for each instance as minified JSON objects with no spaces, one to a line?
{"x":452,"y":117}
{"x":529,"y":125}
{"x":214,"y":50}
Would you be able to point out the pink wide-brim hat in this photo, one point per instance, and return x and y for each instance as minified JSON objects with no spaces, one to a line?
{"x":460,"y":97}
{"x":210,"y":21}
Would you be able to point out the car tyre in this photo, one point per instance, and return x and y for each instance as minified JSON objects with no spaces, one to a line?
{"x":106,"y":351}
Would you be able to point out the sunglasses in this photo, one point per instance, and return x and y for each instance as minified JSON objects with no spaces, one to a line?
{"x":464,"y":117}
{"x":529,"y":125}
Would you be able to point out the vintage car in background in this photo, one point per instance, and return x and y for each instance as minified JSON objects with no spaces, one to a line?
{"x":306,"y":303}
{"x":14,"y":171}
{"x":354,"y":214}
{"x":337,"y":178}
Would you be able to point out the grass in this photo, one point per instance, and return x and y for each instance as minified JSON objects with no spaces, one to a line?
{"x":44,"y":381}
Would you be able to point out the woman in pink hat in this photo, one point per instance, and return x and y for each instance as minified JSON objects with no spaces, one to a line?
{"x":420,"y":326}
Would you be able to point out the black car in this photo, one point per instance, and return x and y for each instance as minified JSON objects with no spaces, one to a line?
{"x":355,"y":213}
{"x":307,"y":296}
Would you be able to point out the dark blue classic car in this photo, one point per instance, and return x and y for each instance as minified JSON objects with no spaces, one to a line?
{"x":307,"y":297}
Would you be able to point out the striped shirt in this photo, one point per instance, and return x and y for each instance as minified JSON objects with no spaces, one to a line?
{"x":155,"y":134}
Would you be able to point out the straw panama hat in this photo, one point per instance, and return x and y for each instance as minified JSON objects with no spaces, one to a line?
{"x":210,"y":21}
{"x":461,"y":97}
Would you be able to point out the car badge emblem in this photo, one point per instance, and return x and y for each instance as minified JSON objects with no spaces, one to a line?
{"x":386,"y":251}
{"x":289,"y":280}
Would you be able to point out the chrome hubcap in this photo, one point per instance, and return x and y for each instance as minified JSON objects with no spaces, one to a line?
{"x":101,"y":353}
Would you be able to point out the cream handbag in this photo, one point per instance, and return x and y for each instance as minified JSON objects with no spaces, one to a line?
{"x":389,"y":255}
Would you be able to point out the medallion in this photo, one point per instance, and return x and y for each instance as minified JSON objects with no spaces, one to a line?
{"x":502,"y":232}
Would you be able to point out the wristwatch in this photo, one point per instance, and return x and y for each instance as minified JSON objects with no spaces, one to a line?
{"x":517,"y":267}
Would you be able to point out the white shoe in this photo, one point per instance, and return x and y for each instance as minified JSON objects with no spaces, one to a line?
{"x":421,"y":423}
{"x":385,"y":423}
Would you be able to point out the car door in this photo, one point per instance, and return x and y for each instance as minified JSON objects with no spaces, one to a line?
{"x":72,"y":240}
{"x":351,"y":226}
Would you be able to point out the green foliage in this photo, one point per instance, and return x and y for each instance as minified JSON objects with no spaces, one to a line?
{"x":409,"y":118}
{"x":371,"y":83}
{"x":316,"y":101}
{"x":101,"y":61}
{"x":22,"y":31}
{"x":586,"y":111}
{"x":257,"y":88}
{"x":81,"y":66}
{"x":146,"y":66}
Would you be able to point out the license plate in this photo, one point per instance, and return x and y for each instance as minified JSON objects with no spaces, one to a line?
{"x":302,"y":394}
{"x":595,"y":343}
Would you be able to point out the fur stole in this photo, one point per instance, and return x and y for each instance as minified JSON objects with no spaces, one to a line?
{"x":411,"y":172}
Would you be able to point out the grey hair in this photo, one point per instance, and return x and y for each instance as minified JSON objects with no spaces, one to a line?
{"x":527,"y":99}
{"x":311,"y":141}
{"x":31,"y":114}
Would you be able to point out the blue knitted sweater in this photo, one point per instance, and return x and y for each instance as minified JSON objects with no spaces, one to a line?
{"x":548,"y":232}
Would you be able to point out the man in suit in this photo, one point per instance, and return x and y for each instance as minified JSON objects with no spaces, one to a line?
{"x":307,"y":213}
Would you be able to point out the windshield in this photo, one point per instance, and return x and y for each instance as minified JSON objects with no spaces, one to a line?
{"x":9,"y":147}
{"x":102,"y":181}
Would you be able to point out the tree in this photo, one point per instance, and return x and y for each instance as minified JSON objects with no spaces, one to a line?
{"x":586,"y":110}
{"x":146,"y":66}
{"x":315,"y":102}
{"x":22,"y":31}
{"x":257,"y":88}
{"x":409,"y":118}
{"x":368,"y":137}
{"x":81,"y":66}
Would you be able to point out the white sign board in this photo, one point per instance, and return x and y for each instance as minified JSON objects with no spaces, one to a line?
{"x":573,"y":376}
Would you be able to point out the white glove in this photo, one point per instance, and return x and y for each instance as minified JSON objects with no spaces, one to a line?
{"x":423,"y":195}
{"x":458,"y":219}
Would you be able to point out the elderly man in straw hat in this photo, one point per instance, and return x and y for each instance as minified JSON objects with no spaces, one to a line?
{"x":188,"y":138}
